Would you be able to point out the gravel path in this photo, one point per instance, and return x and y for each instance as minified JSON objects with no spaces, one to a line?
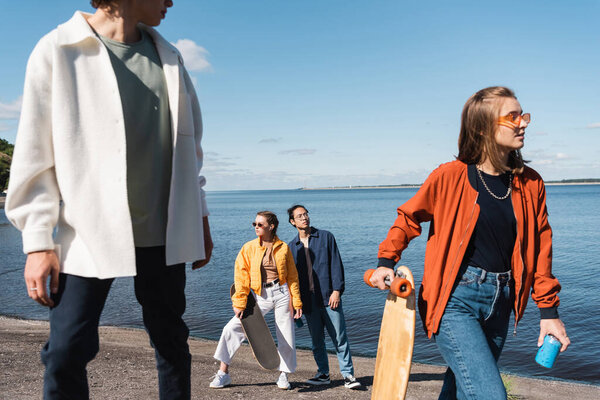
{"x":124,"y":369}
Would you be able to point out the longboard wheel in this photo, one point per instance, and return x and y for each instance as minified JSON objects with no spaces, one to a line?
{"x":367,"y":276}
{"x":401,"y":287}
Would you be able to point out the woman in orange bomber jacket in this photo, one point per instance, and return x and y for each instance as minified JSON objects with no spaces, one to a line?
{"x":489,"y":246}
{"x":266,"y":266}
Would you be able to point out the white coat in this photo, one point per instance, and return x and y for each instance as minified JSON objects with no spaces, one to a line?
{"x":69,"y":166}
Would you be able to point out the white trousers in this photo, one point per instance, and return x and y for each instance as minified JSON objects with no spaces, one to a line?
{"x":276,"y":297}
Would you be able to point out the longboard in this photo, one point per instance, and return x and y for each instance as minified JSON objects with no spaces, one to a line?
{"x":258,"y":334}
{"x":396,"y":338}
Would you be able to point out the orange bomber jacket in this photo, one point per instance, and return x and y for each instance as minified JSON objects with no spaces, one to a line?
{"x":449,"y":201}
{"x":247,"y":271}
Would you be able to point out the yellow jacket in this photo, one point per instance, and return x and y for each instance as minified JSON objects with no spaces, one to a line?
{"x":247,"y":271}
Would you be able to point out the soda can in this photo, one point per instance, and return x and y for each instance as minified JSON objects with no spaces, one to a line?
{"x":548,"y":352}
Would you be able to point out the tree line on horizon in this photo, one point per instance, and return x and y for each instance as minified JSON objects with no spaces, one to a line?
{"x":6,"y":152}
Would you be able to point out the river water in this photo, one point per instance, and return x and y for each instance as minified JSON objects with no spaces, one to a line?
{"x":360,"y":219}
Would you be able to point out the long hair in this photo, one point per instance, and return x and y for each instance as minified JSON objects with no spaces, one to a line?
{"x":476,"y":140}
{"x":271,"y":219}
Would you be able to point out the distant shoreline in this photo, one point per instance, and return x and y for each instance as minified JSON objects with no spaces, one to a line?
{"x":571,"y":183}
{"x":351,"y":187}
{"x":416,"y":186}
{"x":402,"y":186}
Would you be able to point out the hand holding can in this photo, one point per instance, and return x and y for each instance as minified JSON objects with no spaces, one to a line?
{"x":548,"y":352}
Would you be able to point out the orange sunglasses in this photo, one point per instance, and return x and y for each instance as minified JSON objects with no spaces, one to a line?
{"x":513,"y":119}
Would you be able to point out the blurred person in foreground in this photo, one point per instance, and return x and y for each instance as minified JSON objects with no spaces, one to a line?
{"x":108,"y":153}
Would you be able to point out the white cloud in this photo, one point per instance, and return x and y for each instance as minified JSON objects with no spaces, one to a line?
{"x":194,"y":56}
{"x":299,"y":152}
{"x":594,"y":125}
{"x":249,"y":179}
{"x":194,"y":81}
{"x":214,"y":160}
{"x":269,"y":140}
{"x":11,"y":111}
{"x":543,"y":158}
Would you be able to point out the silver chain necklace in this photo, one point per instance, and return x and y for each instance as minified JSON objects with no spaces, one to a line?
{"x":490,"y":192}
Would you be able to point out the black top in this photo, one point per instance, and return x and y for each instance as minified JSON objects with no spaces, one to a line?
{"x":491,"y":245}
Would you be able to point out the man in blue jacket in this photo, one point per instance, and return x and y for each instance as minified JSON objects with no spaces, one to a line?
{"x":321,"y":276}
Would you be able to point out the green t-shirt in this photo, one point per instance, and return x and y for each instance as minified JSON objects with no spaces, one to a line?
{"x":144,"y":97}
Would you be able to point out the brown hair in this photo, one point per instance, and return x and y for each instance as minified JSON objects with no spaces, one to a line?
{"x":478,"y":129}
{"x":102,"y":3}
{"x":271,"y":219}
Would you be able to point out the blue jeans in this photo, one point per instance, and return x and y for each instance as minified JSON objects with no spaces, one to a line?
{"x":472,"y":333}
{"x":74,"y":319}
{"x":321,"y":318}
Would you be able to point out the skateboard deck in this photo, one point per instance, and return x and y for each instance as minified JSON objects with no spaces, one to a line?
{"x":396,"y":340}
{"x":258,"y":334}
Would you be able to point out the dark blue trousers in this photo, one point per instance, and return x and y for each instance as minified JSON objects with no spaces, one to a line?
{"x":74,"y":322}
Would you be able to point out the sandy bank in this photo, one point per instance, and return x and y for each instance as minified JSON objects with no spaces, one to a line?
{"x":124,"y":369}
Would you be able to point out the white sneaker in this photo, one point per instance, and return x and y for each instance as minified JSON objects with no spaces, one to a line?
{"x":350,"y":382}
{"x":221,"y":380}
{"x":282,"y":382}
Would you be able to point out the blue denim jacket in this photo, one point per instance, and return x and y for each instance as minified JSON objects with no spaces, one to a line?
{"x":328,"y":270}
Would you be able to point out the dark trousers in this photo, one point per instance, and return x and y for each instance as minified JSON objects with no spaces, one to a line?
{"x":74,"y":321}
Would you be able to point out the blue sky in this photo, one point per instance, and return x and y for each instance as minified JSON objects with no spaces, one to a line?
{"x":329,"y":92}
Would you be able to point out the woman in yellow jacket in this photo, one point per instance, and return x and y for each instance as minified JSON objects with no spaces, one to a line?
{"x":266,"y":266}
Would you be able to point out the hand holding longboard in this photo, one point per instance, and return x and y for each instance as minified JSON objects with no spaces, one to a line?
{"x":401,"y":287}
{"x":396,"y":337}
